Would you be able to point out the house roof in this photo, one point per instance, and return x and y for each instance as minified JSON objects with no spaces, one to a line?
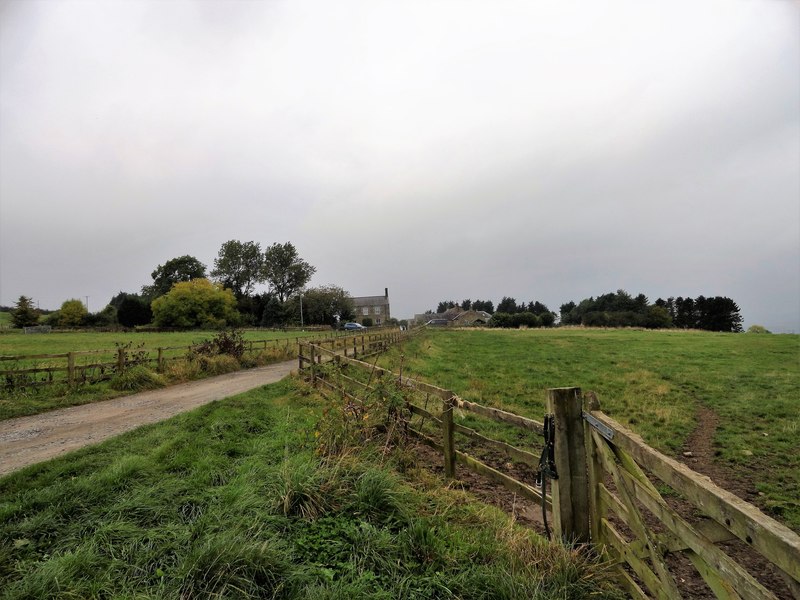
{"x":370,"y":300}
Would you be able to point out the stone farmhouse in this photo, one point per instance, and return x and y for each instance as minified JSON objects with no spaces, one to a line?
{"x":454,"y":317}
{"x":373,"y":307}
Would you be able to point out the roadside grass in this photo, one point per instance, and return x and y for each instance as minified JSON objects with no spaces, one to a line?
{"x":231,"y":501}
{"x":653,"y":382}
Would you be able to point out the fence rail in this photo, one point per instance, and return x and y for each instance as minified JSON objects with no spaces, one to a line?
{"x":445,"y":442}
{"x":608,"y":492}
{"x":112,"y":361}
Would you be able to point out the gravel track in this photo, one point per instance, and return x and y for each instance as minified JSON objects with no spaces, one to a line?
{"x":28,"y":440}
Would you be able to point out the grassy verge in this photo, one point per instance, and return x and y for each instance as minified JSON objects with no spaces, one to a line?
{"x":654,"y":382}
{"x":230,"y":500}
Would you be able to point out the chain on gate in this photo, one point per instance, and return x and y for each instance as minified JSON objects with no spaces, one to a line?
{"x":547,"y":465}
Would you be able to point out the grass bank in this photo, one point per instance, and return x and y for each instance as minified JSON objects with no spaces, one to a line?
{"x":231,"y":501}
{"x":653,"y":381}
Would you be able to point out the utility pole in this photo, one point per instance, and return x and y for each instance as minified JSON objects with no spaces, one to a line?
{"x":301,"y":309}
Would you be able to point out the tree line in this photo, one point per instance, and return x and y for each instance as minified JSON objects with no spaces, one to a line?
{"x":620,"y":309}
{"x":184,"y":294}
{"x":616,"y":309}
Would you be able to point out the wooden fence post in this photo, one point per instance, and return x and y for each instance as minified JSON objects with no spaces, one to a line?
{"x":120,"y":360}
{"x":571,"y":489}
{"x":71,"y":368}
{"x":593,"y":469}
{"x":448,"y":439}
{"x":313,"y":366}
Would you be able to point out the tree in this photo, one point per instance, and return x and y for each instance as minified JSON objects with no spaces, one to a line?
{"x":658,"y":318}
{"x":284,"y":270}
{"x":196,"y":303}
{"x":104,"y":318}
{"x":134,"y":311}
{"x":175,"y":270}
{"x":719,"y":314}
{"x":239,"y":266}
{"x":466,"y":304}
{"x":507,"y":305}
{"x":484,"y":305}
{"x":72,"y":313}
{"x":445,"y":305}
{"x":324,"y":305}
{"x":24,"y":314}
{"x":274,"y":313}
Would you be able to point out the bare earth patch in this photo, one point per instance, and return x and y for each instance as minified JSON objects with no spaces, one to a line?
{"x":28,"y":440}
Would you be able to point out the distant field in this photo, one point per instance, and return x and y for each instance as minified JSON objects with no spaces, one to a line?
{"x":5,"y":319}
{"x":58,"y":343}
{"x":655,"y":382}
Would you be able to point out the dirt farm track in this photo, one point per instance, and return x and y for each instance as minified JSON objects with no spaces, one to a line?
{"x":28,"y":440}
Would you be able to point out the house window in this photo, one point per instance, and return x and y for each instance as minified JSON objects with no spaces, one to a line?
{"x":365,"y":311}
{"x":377,"y":310}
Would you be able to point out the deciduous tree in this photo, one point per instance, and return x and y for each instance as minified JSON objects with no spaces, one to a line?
{"x":284,"y":270}
{"x":239,"y":266}
{"x":175,"y":270}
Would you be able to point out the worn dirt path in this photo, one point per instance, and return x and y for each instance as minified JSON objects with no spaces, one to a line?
{"x":27,"y":440}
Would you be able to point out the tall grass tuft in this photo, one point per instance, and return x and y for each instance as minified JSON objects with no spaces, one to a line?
{"x":300,"y":489}
{"x":231,"y":565}
{"x":135,"y":379}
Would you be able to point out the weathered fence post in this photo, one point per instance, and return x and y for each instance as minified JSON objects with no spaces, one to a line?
{"x":71,"y":368}
{"x":355,"y":347}
{"x":313,"y":365}
{"x":571,"y":489}
{"x":120,"y":360}
{"x":362,"y":344}
{"x":448,"y":439}
{"x":593,"y":469}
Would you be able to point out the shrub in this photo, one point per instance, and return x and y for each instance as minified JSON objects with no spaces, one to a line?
{"x":72,"y":313}
{"x":367,"y":322}
{"x":137,"y":378}
{"x":758,"y":329}
{"x":196,"y":303}
{"x":229,"y":343}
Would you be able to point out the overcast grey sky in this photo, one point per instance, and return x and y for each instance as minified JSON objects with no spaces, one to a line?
{"x":446,"y":150}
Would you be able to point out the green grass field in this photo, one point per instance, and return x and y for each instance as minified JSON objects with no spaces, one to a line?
{"x":654,"y":382}
{"x":230,"y":501}
{"x":5,"y":319}
{"x":16,"y":343}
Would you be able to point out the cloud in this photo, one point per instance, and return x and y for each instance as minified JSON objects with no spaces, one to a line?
{"x":549,"y":151}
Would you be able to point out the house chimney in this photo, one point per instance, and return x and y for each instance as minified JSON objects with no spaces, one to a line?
{"x":386,"y":293}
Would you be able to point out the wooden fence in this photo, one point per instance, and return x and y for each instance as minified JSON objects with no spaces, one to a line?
{"x":32,"y":370}
{"x":610,"y":492}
